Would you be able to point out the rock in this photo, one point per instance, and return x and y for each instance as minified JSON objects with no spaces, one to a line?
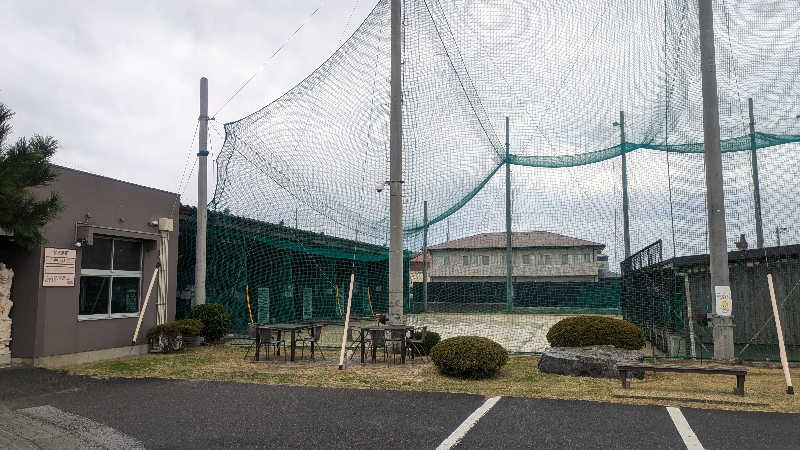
{"x":597,"y":361}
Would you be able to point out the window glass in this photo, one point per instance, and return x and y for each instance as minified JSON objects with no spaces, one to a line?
{"x":97,"y":256}
{"x":545,"y":259}
{"x":94,"y":295}
{"x":485,"y":260}
{"x":127,"y":255}
{"x":587,"y":257}
{"x":526,"y":259}
{"x":125,"y":295}
{"x":467,"y":260}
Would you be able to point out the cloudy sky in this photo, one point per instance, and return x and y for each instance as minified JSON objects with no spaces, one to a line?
{"x":117,"y":83}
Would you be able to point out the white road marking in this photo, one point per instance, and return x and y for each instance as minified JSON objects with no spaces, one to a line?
{"x":688,"y":436}
{"x":459,"y":433}
{"x":94,"y":434}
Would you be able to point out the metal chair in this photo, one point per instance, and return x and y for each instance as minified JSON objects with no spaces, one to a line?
{"x":314,"y":337}
{"x":396,"y":339}
{"x":416,"y":346}
{"x":377,"y":341}
{"x":354,"y":343}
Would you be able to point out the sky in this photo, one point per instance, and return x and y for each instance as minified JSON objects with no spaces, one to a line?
{"x":117,"y":83}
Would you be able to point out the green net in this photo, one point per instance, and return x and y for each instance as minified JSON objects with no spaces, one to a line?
{"x":295,"y":208}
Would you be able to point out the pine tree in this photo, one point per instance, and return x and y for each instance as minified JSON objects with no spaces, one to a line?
{"x":24,"y":165}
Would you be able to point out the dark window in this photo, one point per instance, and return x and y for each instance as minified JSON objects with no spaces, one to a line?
{"x":127,"y":255}
{"x":111,"y":275}
{"x":97,"y":256}
{"x":94,"y":295}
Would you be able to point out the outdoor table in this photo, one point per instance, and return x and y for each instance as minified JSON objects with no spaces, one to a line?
{"x":280,"y":328}
{"x":382,"y":329}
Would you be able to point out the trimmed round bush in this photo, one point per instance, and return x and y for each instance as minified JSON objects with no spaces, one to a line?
{"x":468,"y":357}
{"x":216,"y":320}
{"x":431,"y":338}
{"x":584,"y":331}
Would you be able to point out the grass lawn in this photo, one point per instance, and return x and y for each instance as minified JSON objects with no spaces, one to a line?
{"x":765,"y":389}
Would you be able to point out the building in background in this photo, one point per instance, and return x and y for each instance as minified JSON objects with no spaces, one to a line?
{"x":78,"y":298}
{"x":537,"y":256}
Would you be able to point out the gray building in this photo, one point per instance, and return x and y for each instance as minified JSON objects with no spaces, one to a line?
{"x":536,"y":256}
{"x":78,"y":298}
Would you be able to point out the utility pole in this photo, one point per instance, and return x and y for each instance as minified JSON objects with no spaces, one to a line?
{"x":756,"y":184}
{"x":509,"y":253}
{"x":425,"y":257}
{"x":202,"y":189}
{"x":715,"y":195}
{"x":626,"y":231}
{"x":396,"y":171}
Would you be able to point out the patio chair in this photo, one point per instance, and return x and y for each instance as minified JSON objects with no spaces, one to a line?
{"x":314,"y":337}
{"x":354,"y":342}
{"x":377,"y":341}
{"x":395,"y":339}
{"x":416,"y":346}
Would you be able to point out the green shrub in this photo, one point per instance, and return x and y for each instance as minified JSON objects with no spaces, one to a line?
{"x":583,"y":331}
{"x":216,"y":320}
{"x":190,"y":327}
{"x":468,"y":357}
{"x":431,"y":338}
{"x":185,"y":327}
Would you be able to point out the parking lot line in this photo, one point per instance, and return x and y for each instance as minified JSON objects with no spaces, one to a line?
{"x":468,"y":423}
{"x":688,"y":436}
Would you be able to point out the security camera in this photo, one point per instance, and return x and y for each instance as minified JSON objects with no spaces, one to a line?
{"x":379,"y":185}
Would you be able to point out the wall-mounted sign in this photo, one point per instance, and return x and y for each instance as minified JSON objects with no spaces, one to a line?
{"x":59,"y":267}
{"x":724,"y":300}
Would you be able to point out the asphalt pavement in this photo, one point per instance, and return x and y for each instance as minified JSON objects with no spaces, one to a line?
{"x":157,"y":413}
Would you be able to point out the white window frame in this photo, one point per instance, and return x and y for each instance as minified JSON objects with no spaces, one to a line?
{"x":444,"y":260}
{"x":111,"y":274}
{"x":544,"y":257}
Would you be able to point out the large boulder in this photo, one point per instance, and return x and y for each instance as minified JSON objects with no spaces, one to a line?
{"x":597,"y":361}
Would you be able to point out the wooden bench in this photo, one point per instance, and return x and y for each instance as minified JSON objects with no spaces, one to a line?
{"x":740,"y":372}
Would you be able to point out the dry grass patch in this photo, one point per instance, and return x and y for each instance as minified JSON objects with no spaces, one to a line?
{"x":765,"y":389}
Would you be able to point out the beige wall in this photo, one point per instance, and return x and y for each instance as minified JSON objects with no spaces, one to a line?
{"x":556,"y":271}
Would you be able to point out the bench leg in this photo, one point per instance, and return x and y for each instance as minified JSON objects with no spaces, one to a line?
{"x":740,"y":384}
{"x":623,"y":377}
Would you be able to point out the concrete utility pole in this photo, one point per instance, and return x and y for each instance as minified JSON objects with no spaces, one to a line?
{"x":756,"y":184}
{"x":425,"y":257}
{"x":396,"y":172}
{"x":722,"y":305}
{"x":509,"y":251}
{"x":626,"y":230}
{"x":202,"y":189}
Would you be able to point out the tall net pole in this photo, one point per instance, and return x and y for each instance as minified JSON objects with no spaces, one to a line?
{"x":626,"y":230}
{"x":425,"y":257}
{"x":723,"y":323}
{"x":396,"y":173}
{"x":202,"y":189}
{"x":756,"y":184}
{"x":509,"y":251}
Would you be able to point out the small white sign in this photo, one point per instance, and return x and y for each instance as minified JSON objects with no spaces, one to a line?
{"x":59,"y":267}
{"x":724,"y":300}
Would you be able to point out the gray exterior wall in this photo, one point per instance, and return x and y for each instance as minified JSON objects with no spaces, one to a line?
{"x":496,"y":269}
{"x":45,"y":319}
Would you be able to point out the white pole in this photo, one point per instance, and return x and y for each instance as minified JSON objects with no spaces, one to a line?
{"x":784,"y":362}
{"x":202,"y":189}
{"x":715,"y":194}
{"x":396,"y":172}
{"x":346,"y":321}
{"x":689,"y":314}
{"x":144,"y":307}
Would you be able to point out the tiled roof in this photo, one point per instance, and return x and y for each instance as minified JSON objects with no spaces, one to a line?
{"x":523,"y":239}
